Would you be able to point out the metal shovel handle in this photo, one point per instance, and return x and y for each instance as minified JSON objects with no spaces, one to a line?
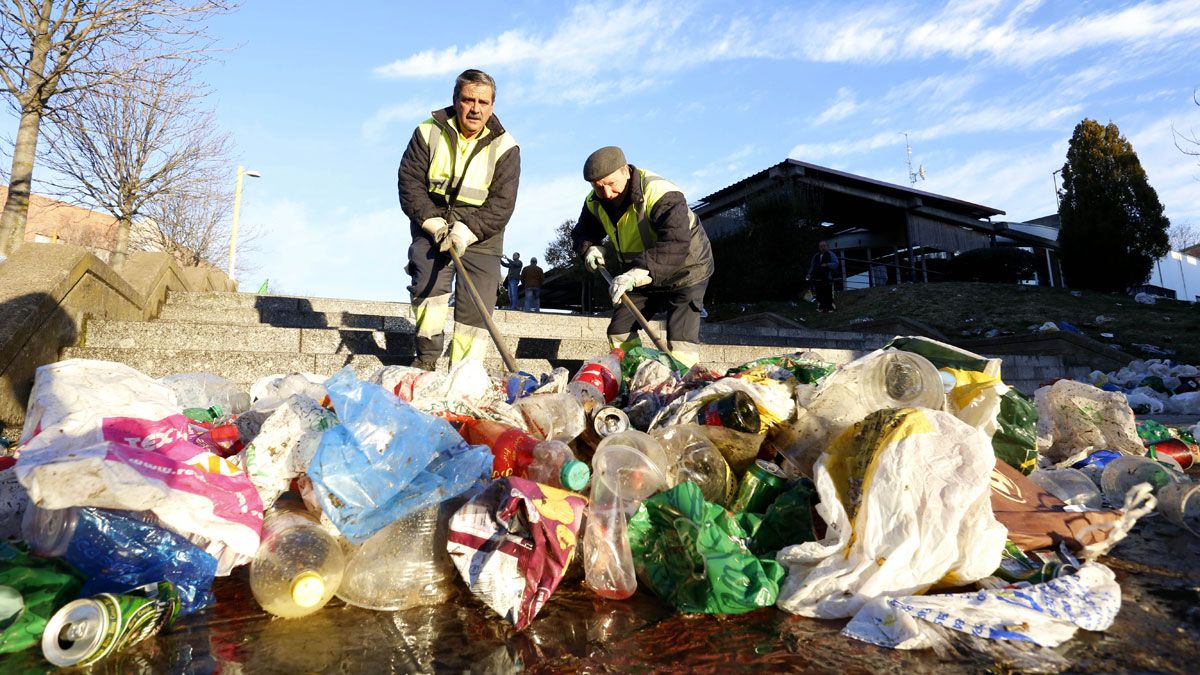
{"x":509,"y":362}
{"x":637,"y":314}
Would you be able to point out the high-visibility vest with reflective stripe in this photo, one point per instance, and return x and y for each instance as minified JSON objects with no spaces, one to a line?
{"x":467,"y":183}
{"x":632,"y":233}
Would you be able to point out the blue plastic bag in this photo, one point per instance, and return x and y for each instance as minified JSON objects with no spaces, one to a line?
{"x":387,"y":459}
{"x":118,"y":550}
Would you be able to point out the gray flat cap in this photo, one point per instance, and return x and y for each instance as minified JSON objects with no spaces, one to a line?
{"x":603,"y":162}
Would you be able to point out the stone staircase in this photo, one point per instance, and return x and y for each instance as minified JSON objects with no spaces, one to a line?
{"x":243,"y":337}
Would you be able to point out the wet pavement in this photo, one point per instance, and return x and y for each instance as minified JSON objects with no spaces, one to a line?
{"x":1158,"y":630}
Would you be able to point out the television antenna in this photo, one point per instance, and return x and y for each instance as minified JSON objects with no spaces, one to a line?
{"x":913,"y":176}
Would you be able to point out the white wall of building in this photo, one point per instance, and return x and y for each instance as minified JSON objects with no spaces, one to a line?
{"x":1179,"y":272}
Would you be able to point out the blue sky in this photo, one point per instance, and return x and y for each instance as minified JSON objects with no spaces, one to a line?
{"x":323,"y":101}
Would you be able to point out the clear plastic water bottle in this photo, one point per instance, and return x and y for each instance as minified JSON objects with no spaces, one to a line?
{"x":299,"y":566}
{"x":1070,"y":485}
{"x":598,"y":379}
{"x":623,"y":478}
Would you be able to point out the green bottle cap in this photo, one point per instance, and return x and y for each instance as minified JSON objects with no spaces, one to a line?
{"x":575,"y":475}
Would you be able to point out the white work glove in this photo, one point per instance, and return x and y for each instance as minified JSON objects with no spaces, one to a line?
{"x":436,"y":228}
{"x":593,"y":258}
{"x":627,"y":282}
{"x":460,"y":238}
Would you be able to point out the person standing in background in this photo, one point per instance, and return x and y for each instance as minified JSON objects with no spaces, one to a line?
{"x":532,"y":279}
{"x":512,"y":278}
{"x":821,"y":272}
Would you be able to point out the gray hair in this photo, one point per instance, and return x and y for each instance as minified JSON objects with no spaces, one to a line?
{"x":472,"y":76}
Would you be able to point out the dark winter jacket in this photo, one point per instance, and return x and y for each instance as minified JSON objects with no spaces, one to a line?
{"x":487,"y":221}
{"x":679,"y":257}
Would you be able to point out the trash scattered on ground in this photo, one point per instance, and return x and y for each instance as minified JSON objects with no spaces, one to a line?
{"x":1145,"y":299}
{"x":715,"y":492}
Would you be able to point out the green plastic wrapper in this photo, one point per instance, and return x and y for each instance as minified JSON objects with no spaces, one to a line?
{"x":806,"y":371}
{"x":635,"y":354}
{"x":692,"y":554}
{"x":788,"y":521}
{"x":1015,"y":440}
{"x":45,"y":585}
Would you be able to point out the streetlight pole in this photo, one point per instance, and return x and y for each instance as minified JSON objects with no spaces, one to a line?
{"x":237,"y":208}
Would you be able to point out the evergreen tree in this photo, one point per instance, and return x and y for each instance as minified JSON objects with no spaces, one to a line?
{"x":1113,"y":227}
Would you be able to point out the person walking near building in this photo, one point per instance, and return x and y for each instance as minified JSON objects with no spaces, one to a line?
{"x":532,"y":279}
{"x":663,"y":254}
{"x":513,"y":278}
{"x":458,"y":185}
{"x":821,"y":272}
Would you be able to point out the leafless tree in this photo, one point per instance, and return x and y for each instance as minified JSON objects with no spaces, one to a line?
{"x":135,"y":142}
{"x":1188,"y":142}
{"x":192,"y":225}
{"x":52,"y":51}
{"x":1183,"y":235}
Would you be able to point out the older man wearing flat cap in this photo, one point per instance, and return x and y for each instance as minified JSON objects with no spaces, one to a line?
{"x":662,"y":252}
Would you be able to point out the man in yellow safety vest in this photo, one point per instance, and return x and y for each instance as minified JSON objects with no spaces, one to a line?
{"x":458,"y":185}
{"x":661,"y":249}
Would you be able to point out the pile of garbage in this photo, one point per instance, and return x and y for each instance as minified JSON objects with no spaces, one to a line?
{"x":910,"y":491}
{"x":1155,"y":386}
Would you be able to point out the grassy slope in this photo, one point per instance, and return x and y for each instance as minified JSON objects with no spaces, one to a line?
{"x":956,"y":307}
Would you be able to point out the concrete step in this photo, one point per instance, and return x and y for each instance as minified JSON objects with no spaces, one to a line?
{"x":296,"y":312}
{"x":246,"y":367}
{"x":271,"y":339}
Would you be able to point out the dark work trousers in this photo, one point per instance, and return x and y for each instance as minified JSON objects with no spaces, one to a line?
{"x":432,"y":275}
{"x":823,"y":289}
{"x":683,"y":307}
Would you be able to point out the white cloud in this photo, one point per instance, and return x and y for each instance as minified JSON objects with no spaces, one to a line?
{"x":541,"y":206}
{"x":972,"y":29}
{"x":841,"y":108}
{"x":733,"y":164}
{"x":304,"y":251}
{"x":408,"y":114}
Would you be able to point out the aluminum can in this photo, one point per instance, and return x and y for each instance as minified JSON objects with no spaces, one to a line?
{"x":87,"y":630}
{"x":761,"y":484}
{"x":608,"y":420}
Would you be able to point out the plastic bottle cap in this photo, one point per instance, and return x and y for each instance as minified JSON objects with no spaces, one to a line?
{"x":308,"y":588}
{"x":575,"y":475}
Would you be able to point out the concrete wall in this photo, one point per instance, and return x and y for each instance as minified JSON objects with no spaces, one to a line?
{"x":48,"y":291}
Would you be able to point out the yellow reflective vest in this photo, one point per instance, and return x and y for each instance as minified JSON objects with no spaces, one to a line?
{"x":459,"y":180}
{"x":633,"y":233}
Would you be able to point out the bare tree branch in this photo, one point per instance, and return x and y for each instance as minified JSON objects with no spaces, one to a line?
{"x":134,"y":142}
{"x":53,"y":53}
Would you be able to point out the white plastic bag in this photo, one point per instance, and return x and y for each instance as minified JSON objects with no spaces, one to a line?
{"x":1077,"y":419}
{"x":906,"y":496}
{"x":1046,"y":614}
{"x":285,"y":445}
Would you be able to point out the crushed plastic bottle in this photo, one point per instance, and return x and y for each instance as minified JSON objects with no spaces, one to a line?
{"x":692,"y":457}
{"x":118,"y":550}
{"x":1125,"y":472}
{"x":299,"y":565}
{"x":879,"y":380}
{"x":1072,"y":486}
{"x":552,"y":416}
{"x":623,"y":478}
{"x":516,"y":453}
{"x":403,"y":565}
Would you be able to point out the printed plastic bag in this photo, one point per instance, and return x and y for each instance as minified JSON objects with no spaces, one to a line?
{"x":1075,"y":419}
{"x":692,"y":554}
{"x":513,"y":542}
{"x":1045,"y":614}
{"x":387,"y":459}
{"x":905,"y":494}
{"x":788,"y":520}
{"x":102,"y":434}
